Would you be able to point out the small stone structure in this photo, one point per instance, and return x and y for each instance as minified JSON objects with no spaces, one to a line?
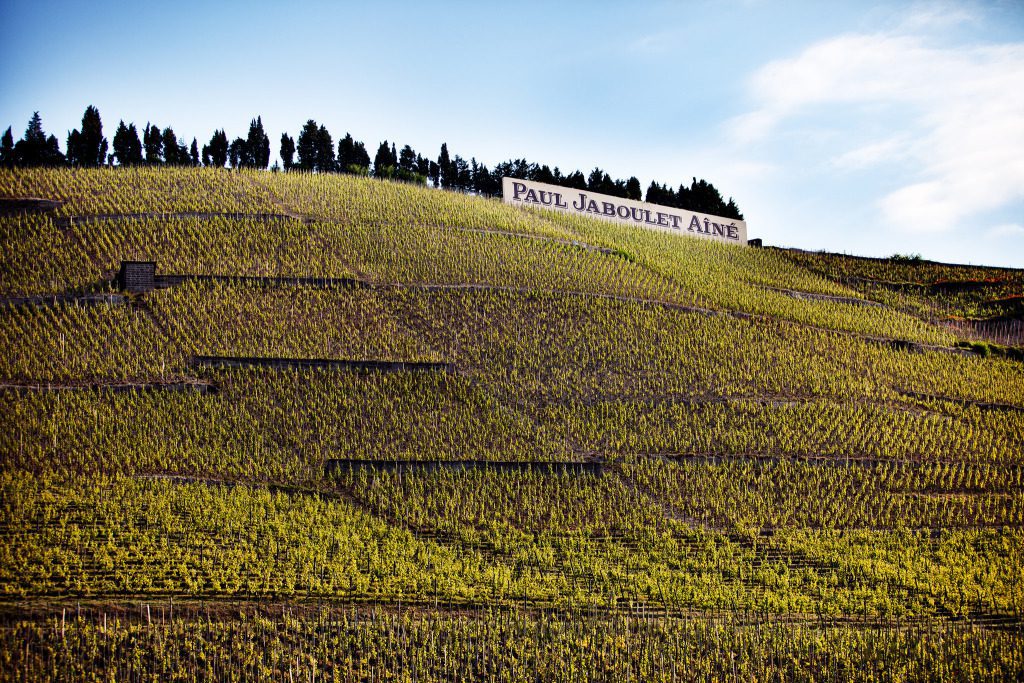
{"x":137,"y":276}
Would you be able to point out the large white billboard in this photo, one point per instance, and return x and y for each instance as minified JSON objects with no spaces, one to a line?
{"x":652,"y":216}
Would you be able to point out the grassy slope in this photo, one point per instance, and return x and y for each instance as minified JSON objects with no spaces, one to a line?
{"x":763,"y":452}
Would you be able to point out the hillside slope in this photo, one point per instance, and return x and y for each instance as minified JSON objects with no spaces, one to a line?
{"x":777,"y":460}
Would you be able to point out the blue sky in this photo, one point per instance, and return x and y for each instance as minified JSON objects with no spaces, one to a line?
{"x":858,"y":127}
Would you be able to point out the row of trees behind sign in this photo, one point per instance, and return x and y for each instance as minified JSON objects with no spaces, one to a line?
{"x":314,"y":150}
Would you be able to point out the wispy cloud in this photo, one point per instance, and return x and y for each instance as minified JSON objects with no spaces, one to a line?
{"x":891,"y":149}
{"x":953,"y":117}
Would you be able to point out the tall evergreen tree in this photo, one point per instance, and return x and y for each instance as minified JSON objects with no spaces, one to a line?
{"x":576,"y":180}
{"x":35,"y":148}
{"x":237,"y":153}
{"x":88,"y":147}
{"x":325,"y":159}
{"x":446,"y":171}
{"x":407,"y":160}
{"x":383,"y":164}
{"x":216,"y":152}
{"x":543,"y":174}
{"x":595,"y":181}
{"x":175,"y":154}
{"x":307,"y":145}
{"x":633,"y":190}
{"x":7,"y":149}
{"x":74,"y":147}
{"x":193,"y":153}
{"x":152,"y":144}
{"x":423,"y":166}
{"x":127,"y":147}
{"x":732,"y":211}
{"x":258,"y":145}
{"x":462,"y":174}
{"x":362,"y":157}
{"x":346,"y":153}
{"x":287,"y":151}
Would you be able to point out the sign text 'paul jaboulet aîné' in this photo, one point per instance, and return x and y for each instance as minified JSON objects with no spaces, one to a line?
{"x":653,"y":216}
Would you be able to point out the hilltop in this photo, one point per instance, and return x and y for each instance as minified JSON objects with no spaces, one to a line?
{"x":378,"y":427}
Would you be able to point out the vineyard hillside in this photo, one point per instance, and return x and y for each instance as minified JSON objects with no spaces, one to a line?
{"x":351,"y":429}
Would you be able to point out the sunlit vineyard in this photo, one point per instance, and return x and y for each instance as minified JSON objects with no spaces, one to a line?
{"x":796,"y":467}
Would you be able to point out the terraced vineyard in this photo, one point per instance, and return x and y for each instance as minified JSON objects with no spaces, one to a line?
{"x":791,"y":470}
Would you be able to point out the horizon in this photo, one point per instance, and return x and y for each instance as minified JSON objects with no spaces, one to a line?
{"x":871,"y":131}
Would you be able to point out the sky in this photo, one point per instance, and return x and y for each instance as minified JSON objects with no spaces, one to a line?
{"x":856,"y":127}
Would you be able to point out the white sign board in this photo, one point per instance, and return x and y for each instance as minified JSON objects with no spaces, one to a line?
{"x":652,"y":216}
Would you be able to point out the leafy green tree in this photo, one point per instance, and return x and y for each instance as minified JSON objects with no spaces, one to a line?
{"x":287,"y":151}
{"x":127,"y":147}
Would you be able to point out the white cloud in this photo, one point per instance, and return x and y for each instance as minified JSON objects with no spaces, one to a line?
{"x":891,"y":149}
{"x":953,"y":117}
{"x":936,"y":15}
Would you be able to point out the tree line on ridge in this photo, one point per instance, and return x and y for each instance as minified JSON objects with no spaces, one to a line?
{"x":314,"y":151}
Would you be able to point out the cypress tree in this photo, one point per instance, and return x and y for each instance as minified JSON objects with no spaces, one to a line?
{"x":383,"y":166}
{"x":446,"y":171}
{"x":325,"y":161}
{"x":152,"y":144}
{"x":362,"y":157}
{"x":88,"y":147}
{"x":287,"y":151}
{"x":307,"y":145}
{"x":346,"y":153}
{"x":74,"y":147}
{"x":7,"y":149}
{"x":257,"y":145}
